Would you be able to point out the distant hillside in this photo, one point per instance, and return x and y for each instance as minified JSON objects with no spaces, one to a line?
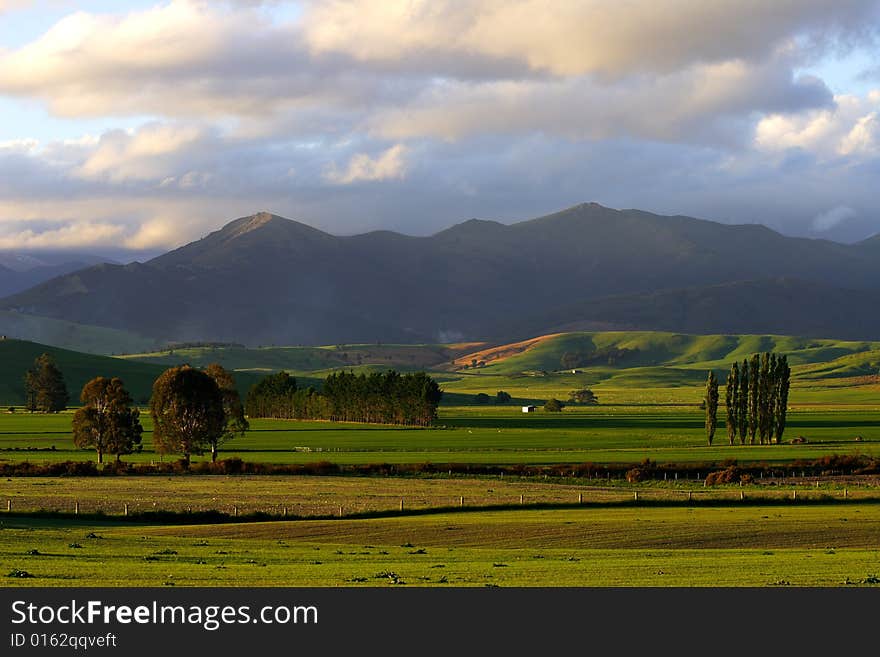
{"x":311,"y":359}
{"x":69,"y":335}
{"x":20,"y":271}
{"x":17,"y":356}
{"x":673,"y":358}
{"x":780,"y":306}
{"x":265,"y":280}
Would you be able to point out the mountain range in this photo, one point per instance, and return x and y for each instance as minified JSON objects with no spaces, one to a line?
{"x":20,"y":271}
{"x":264,"y":280}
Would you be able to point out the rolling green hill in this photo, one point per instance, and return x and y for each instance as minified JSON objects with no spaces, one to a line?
{"x":621,"y":354}
{"x":311,"y":359}
{"x":70,"y":335}
{"x":531,"y":369}
{"x":16,"y":356}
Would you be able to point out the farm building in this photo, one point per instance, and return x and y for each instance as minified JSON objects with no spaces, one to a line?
{"x":528,"y":409}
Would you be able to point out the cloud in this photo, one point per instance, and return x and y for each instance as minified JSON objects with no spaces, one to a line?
{"x":387,"y":165}
{"x":690,"y":105}
{"x":356,"y":115}
{"x":71,"y":235}
{"x":184,"y":58}
{"x":575,"y":37}
{"x":834,"y":217}
{"x":850,"y":127}
{"x":152,"y":152}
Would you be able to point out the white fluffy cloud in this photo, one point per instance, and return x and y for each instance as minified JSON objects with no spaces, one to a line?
{"x":574,"y":37}
{"x":413,"y":114}
{"x":850,"y":127}
{"x":387,"y":165}
{"x":69,"y":235}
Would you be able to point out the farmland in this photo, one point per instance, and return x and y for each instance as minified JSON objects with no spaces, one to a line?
{"x":756,"y":546}
{"x":501,"y":435}
{"x":472,"y":514}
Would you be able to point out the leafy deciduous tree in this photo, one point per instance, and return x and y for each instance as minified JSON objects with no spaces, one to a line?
{"x":187,"y":411}
{"x":106,"y":421}
{"x":236,"y":423}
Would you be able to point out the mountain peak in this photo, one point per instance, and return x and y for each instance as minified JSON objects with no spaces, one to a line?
{"x":251,"y":223}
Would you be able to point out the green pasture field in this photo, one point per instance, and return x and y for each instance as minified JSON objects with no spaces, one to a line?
{"x":493,"y":434}
{"x":816,"y":545}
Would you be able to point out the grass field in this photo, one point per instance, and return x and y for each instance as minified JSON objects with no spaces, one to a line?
{"x":503,"y":435}
{"x":311,"y":496}
{"x":648,"y":410}
{"x":751,"y":546}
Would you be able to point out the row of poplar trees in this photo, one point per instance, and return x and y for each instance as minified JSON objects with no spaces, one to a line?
{"x":756,"y":400}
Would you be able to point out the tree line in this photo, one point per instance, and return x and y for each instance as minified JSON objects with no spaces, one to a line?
{"x":196,"y":411}
{"x":756,"y":400}
{"x":377,"y":397}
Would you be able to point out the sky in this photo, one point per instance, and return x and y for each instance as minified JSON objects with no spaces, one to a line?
{"x":145,"y":125}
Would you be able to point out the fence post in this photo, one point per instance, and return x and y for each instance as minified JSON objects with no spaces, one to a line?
{"x":580,"y":498}
{"x":794,"y":494}
{"x":76,"y":508}
{"x":8,"y":505}
{"x":521,"y":499}
{"x":340,"y":510}
{"x":844,"y":493}
{"x":284,"y":512}
{"x":401,"y":504}
{"x":234,"y":510}
{"x":690,"y":496}
{"x":636,"y":496}
{"x":125,"y":509}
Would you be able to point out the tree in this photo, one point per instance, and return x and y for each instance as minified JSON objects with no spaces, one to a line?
{"x":187,"y":411}
{"x":482,"y":398}
{"x":754,"y":395}
{"x":711,"y":405}
{"x":765,"y":387}
{"x":783,"y":383}
{"x":553,"y":405}
{"x":272,"y":396}
{"x":502,"y":397}
{"x":106,"y":421}
{"x":742,"y":415}
{"x":45,"y":389}
{"x":236,"y":423}
{"x":30,"y":390}
{"x":732,"y":403}
{"x":583,"y":396}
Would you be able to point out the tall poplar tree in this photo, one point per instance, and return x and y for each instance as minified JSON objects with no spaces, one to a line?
{"x":711,"y":405}
{"x":763,"y":387}
{"x":743,"y":402}
{"x":783,"y":383}
{"x":732,"y":403}
{"x":754,"y":395}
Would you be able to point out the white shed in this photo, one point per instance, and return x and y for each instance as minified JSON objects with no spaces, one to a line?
{"x":528,"y":409}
